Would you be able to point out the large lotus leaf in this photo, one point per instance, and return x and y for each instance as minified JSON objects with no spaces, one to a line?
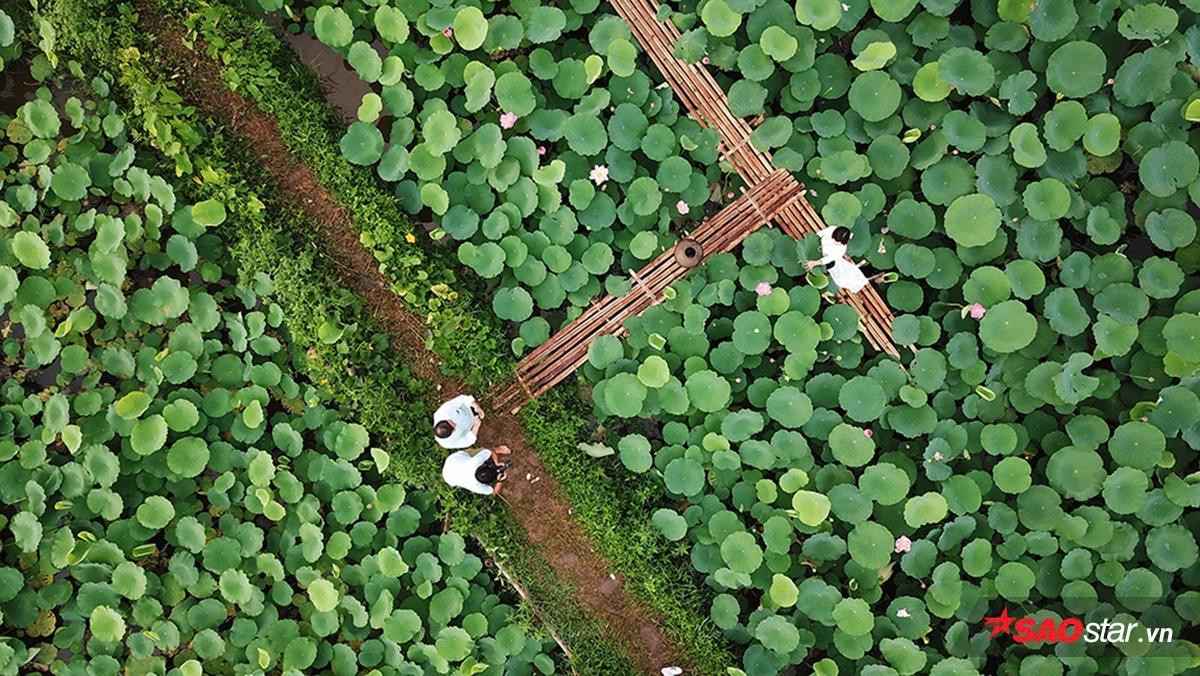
{"x":1144,"y":76}
{"x":720,"y":20}
{"x":875,"y":95}
{"x":708,"y":391}
{"x":70,"y":181}
{"x":684,"y":476}
{"x":470,"y":27}
{"x":797,"y":332}
{"x":514,"y":93}
{"x":391,"y":24}
{"x":363,"y":143}
{"x":870,"y":545}
{"x":884,"y":483}
{"x":972,"y":220}
{"x":862,"y":398}
{"x":513,"y":304}
{"x":333,"y":26}
{"x":822,"y":15}
{"x":1102,"y":136}
{"x":30,"y":250}
{"x":777,"y":634}
{"x":1168,"y":168}
{"x":624,"y":395}
{"x":1007,"y":327}
{"x":156,"y":512}
{"x":41,"y":118}
{"x":1047,"y":199}
{"x":148,"y":435}
{"x":966,"y":70}
{"x":1076,"y":69}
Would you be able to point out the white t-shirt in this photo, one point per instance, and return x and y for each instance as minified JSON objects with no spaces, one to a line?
{"x":459,"y":412}
{"x":459,"y":470}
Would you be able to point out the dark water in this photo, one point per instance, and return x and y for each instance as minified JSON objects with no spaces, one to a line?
{"x":341,"y":85}
{"x":16,"y":86}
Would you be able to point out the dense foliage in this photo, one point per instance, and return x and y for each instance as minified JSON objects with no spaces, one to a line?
{"x":177,"y":498}
{"x":533,"y":134}
{"x":1029,"y":173}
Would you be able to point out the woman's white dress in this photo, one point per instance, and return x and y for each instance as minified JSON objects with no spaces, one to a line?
{"x":843,"y":272}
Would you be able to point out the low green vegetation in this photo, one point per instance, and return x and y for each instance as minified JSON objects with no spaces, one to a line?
{"x":367,"y":379}
{"x":532,"y":133}
{"x":1028,"y":174}
{"x":178,"y":498}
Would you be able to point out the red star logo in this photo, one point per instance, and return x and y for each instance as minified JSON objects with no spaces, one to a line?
{"x":1001,"y":624}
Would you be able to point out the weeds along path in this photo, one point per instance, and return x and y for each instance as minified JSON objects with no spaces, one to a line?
{"x":533,"y":498}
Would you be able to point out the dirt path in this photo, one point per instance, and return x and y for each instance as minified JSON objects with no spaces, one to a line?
{"x":534,"y":499}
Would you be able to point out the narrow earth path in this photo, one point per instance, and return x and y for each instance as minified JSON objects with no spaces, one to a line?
{"x":533,"y":498}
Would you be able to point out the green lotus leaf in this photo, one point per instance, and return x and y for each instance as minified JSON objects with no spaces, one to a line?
{"x":1148,"y":22}
{"x":41,"y":118}
{"x":1102,"y":135}
{"x":972,"y":220}
{"x":635,"y":453}
{"x":966,"y":70}
{"x":391,"y":24}
{"x":156,"y":512}
{"x":870,"y":545}
{"x":822,"y":15}
{"x":1076,"y":69}
{"x":684,"y":476}
{"x":708,"y":391}
{"x":777,"y":634}
{"x":514,"y":93}
{"x":875,"y":95}
{"x":333,"y":26}
{"x":1168,"y":168}
{"x":106,"y":624}
{"x":720,"y":20}
{"x":928,"y":84}
{"x":362,"y":144}
{"x":30,"y":250}
{"x":470,"y":28}
{"x":811,"y":508}
{"x":1172,"y":547}
{"x":1007,"y":327}
{"x":1047,"y":199}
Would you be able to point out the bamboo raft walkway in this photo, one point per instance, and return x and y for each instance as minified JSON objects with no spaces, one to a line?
{"x":773,"y":195}
{"x":556,"y":359}
{"x":709,"y":106}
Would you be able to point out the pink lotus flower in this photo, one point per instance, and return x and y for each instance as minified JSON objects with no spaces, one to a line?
{"x":507,"y":120}
{"x":977,"y":311}
{"x":704,"y":61}
{"x":903,"y":544}
{"x":599,"y":174}
{"x":868,"y":433}
{"x":541,"y":150}
{"x":937,"y":455}
{"x":447,"y":32}
{"x":886,"y":230}
{"x":763,"y":289}
{"x":682,"y":207}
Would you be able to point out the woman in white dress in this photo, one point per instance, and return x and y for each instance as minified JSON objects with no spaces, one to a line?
{"x":842,"y":270}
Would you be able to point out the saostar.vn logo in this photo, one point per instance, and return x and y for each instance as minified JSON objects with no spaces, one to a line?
{"x":1071,"y":629}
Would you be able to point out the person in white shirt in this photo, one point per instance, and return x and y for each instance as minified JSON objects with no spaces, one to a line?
{"x":833,"y":251}
{"x":477,"y":473}
{"x":456,"y":422}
